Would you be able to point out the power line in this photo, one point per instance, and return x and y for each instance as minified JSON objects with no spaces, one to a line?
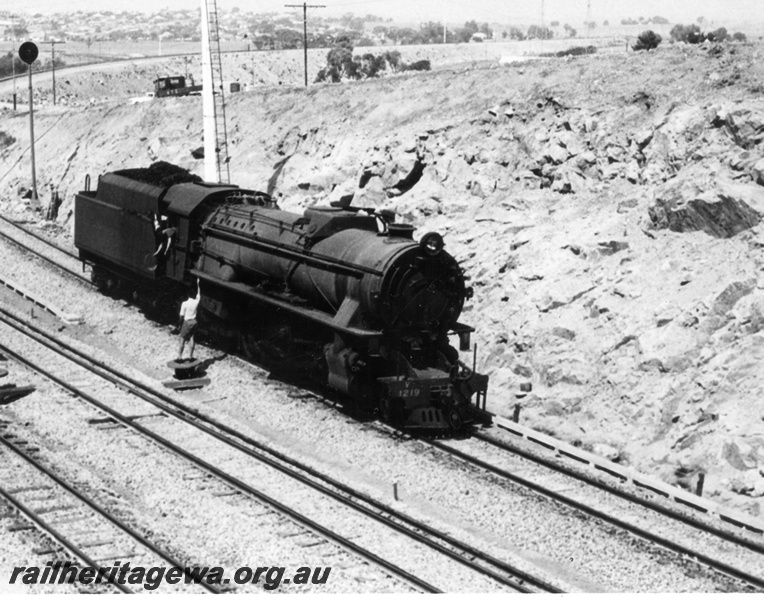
{"x":305,"y":30}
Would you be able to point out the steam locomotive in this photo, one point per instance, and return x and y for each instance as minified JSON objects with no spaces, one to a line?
{"x":343,"y":294}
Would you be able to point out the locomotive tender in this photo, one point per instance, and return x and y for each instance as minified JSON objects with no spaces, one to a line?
{"x":345,"y":294}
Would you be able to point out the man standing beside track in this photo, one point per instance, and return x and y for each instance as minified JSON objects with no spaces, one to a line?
{"x":188,"y":322}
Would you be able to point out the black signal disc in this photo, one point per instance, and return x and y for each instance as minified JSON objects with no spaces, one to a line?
{"x":28,"y":52}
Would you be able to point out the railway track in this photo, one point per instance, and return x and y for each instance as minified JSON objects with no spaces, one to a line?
{"x":87,"y":531}
{"x":499,"y":571}
{"x":585,"y":486}
{"x":490,"y":566}
{"x":45,"y":249}
{"x":610,"y":504}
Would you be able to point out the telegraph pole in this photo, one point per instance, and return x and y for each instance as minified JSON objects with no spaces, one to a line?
{"x":13,"y":57}
{"x":305,"y":6}
{"x":53,"y":63}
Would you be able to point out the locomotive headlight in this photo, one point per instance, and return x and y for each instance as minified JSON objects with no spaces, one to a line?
{"x":432,"y":243}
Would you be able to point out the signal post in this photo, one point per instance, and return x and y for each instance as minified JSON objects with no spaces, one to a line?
{"x":28,"y":52}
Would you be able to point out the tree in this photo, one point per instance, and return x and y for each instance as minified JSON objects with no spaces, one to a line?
{"x":554,"y":24}
{"x":486,"y":29}
{"x":371,"y":65}
{"x":515,"y":33}
{"x":541,"y":33}
{"x":19,"y":30}
{"x":288,"y":39}
{"x":719,"y":35}
{"x":690,"y":34}
{"x":647,"y":40}
{"x":8,"y":62}
{"x":404,"y":35}
{"x":570,"y":31}
{"x":393,"y":58}
{"x":431,"y":33}
{"x":658,"y":20}
{"x":380,"y":31}
{"x":739,"y":37}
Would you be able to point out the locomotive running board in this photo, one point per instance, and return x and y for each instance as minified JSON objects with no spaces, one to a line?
{"x":337,"y":323}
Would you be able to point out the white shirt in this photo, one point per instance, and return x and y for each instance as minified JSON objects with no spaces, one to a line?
{"x":188,"y":308}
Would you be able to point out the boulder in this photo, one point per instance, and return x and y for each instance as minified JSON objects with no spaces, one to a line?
{"x":555,"y":154}
{"x":697,"y":200}
{"x":632,"y":171}
{"x":570,"y":142}
{"x":343,"y":192}
{"x":724,"y":301}
{"x":611,"y":247}
{"x":569,"y":180}
{"x":372,"y":194}
{"x":745,"y":123}
{"x":757,"y":172}
{"x":743,"y":160}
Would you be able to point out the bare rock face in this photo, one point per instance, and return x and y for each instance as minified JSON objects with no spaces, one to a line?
{"x":701,"y":201}
{"x":745,"y":123}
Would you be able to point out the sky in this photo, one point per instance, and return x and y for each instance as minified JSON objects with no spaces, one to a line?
{"x":453,"y":11}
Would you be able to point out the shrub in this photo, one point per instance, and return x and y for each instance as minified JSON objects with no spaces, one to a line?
{"x":420,"y":65}
{"x":691,"y":34}
{"x":717,"y":36}
{"x":738,"y":36}
{"x":341,"y":64}
{"x":577,"y":51}
{"x":647,"y":40}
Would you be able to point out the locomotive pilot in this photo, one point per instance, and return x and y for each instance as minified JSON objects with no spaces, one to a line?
{"x":188,"y":322}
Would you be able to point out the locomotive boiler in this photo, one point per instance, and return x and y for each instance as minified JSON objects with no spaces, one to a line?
{"x":345,"y":295}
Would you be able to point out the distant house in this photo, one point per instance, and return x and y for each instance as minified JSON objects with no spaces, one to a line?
{"x":478,"y":37}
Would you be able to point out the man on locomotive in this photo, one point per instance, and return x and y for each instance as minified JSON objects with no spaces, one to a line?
{"x":188,"y":322}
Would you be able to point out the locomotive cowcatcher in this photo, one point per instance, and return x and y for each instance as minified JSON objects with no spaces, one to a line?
{"x":343,"y":294}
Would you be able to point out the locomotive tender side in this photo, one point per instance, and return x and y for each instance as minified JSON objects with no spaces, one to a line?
{"x":341,"y":293}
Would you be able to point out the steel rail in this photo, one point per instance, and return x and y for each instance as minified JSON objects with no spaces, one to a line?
{"x":141,"y":539}
{"x":52,"y":532}
{"x":633,"y":498}
{"x":76,"y":274}
{"x":223,"y":476}
{"x":345,"y":494}
{"x":40,"y":237}
{"x":598,"y":514}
